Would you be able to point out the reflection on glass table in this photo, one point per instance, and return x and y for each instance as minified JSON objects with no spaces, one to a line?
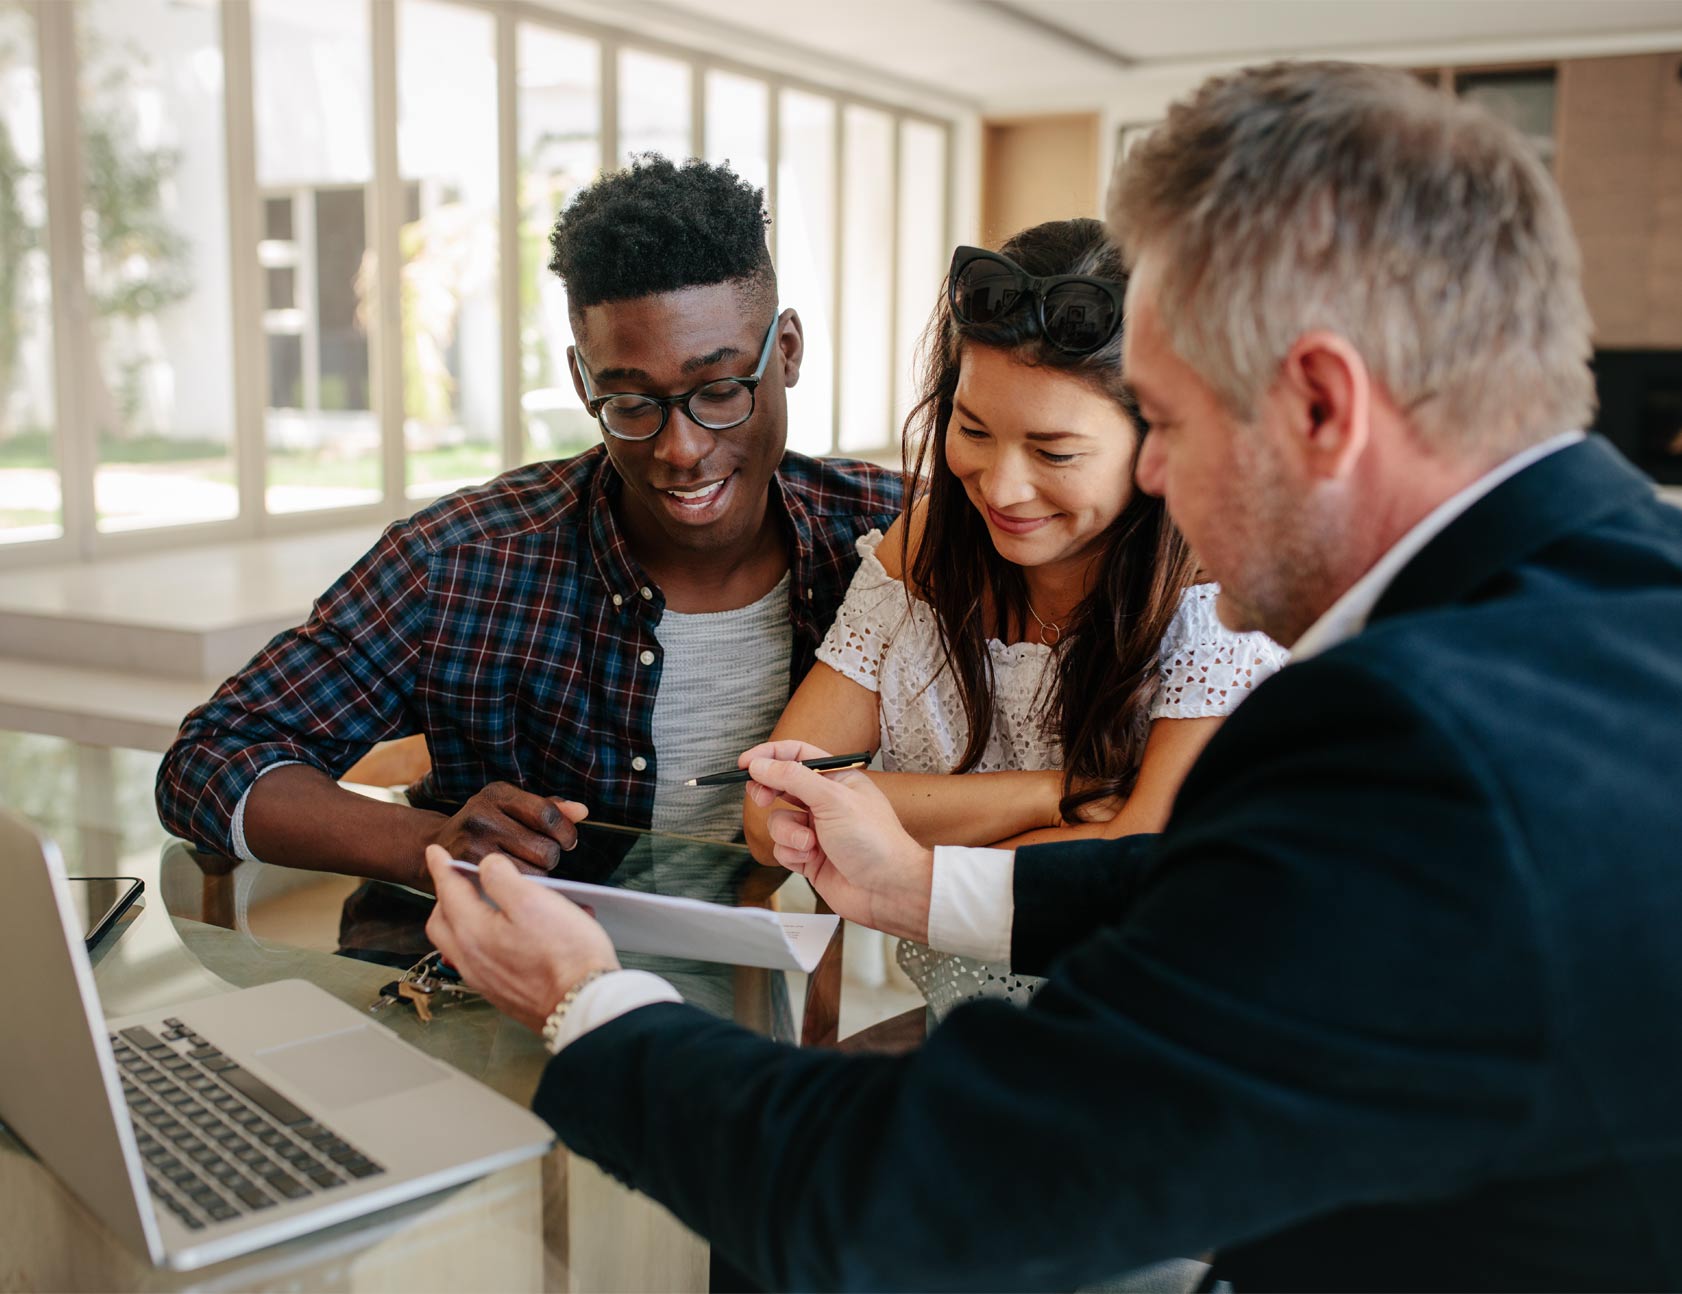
{"x":251,"y":922}
{"x":589,"y":1232}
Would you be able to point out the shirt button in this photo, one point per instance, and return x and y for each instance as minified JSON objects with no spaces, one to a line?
{"x":647,"y":593}
{"x":639,"y":763}
{"x":647,"y":658}
{"x":618,"y":601}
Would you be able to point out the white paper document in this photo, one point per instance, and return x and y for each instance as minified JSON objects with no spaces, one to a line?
{"x":707,"y":932}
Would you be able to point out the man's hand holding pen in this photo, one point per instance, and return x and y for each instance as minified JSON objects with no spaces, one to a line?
{"x":528,"y":946}
{"x":842,"y":836}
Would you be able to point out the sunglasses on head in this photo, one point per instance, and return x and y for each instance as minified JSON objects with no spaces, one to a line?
{"x":1076,"y":314}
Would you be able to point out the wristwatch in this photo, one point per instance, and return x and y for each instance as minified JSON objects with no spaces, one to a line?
{"x":552,"y":1026}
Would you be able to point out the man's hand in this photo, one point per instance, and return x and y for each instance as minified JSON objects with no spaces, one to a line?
{"x":524,"y":953}
{"x":843,"y":837}
{"x":533,"y":831}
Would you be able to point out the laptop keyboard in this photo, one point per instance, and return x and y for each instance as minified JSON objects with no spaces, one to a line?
{"x":218,"y":1142}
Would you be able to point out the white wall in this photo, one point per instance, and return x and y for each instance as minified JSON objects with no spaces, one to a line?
{"x":1142,"y":95}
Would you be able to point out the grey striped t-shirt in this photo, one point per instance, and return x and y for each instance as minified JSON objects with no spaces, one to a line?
{"x":722,"y":686}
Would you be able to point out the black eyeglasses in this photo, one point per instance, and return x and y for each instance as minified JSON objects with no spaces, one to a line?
{"x":719,"y":405}
{"x":1075,"y":313}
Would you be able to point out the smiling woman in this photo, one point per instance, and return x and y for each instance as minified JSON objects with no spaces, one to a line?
{"x":1032,"y":622}
{"x":1016,"y":474}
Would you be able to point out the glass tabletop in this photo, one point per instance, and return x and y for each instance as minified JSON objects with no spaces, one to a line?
{"x":210,"y":923}
{"x":207,"y":925}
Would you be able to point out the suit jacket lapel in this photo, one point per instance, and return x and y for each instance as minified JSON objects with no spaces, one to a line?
{"x":1559,"y":494}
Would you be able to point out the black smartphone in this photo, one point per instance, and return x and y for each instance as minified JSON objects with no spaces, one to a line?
{"x":100,"y":900}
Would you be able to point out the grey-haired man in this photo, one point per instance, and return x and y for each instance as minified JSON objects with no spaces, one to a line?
{"x":1390,"y":1004}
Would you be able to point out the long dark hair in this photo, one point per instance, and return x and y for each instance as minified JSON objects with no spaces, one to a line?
{"x":1106,"y":659}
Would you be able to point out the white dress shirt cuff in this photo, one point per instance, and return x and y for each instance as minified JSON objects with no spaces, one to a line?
{"x":971,"y":902}
{"x":613,"y":995}
{"x":236,"y":831}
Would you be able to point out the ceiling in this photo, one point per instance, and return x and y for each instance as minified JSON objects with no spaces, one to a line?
{"x":989,"y":52}
{"x":1189,"y":31}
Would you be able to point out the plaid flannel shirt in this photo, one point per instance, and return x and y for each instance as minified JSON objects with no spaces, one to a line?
{"x":507,"y":623}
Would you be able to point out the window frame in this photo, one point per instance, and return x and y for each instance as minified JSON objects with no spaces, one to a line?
{"x":76,"y":457}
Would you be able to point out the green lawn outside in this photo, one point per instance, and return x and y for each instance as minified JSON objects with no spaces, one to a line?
{"x":452,"y":463}
{"x":210,"y":461}
{"x":22,"y":518}
{"x":35,"y":449}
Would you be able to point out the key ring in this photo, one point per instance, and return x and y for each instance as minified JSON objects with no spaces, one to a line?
{"x":428,"y":985}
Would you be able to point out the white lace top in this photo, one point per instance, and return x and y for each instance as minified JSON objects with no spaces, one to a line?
{"x":888,"y":642}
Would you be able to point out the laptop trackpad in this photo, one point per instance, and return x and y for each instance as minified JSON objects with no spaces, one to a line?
{"x":348,"y":1068}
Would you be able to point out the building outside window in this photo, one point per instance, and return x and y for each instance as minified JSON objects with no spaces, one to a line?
{"x":313,"y":99}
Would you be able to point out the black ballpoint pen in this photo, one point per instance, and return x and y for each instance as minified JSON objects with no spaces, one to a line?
{"x":828,"y":764}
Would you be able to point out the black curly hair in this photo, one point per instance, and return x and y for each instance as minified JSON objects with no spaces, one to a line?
{"x":658,"y":227}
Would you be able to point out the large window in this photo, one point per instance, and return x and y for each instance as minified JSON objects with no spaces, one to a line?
{"x":280,"y":264}
{"x":313,"y":99}
{"x":867,"y":279}
{"x":31,"y":501}
{"x":738,"y":125}
{"x":922,"y":256}
{"x":154,"y":202}
{"x":806,"y":246}
{"x":446,"y":135}
{"x":654,"y":103}
{"x":560,"y":151}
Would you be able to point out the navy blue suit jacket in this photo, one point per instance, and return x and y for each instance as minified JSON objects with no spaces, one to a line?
{"x":1394,"y":1002}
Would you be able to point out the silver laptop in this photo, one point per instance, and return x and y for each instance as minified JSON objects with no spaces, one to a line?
{"x":212,"y":1128}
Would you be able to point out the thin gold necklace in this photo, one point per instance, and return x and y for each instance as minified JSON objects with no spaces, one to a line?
{"x":1049,"y":633}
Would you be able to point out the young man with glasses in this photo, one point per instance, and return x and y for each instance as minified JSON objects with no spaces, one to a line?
{"x":574,"y":636}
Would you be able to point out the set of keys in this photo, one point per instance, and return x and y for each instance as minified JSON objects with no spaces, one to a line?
{"x":429,"y":985}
